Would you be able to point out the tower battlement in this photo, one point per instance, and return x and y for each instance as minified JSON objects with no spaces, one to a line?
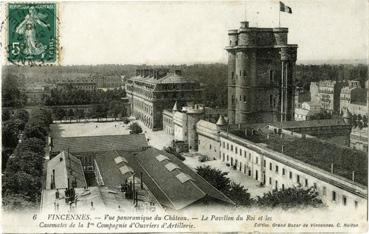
{"x":257,"y":37}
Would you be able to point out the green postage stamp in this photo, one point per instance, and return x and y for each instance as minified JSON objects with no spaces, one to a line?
{"x":32,"y":33}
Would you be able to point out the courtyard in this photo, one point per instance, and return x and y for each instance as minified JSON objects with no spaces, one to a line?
{"x":253,"y":186}
{"x":88,"y":129}
{"x":157,"y":139}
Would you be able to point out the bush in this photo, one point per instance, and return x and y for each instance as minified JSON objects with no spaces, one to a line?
{"x":218,"y":179}
{"x":290,"y":197}
{"x":135,"y":128}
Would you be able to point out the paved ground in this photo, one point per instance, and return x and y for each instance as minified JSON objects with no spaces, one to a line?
{"x":89,"y":129}
{"x":236,"y":176}
{"x":157,"y":139}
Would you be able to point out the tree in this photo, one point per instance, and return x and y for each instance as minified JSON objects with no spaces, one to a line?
{"x":135,"y":128}
{"x":80,"y":114}
{"x":33,"y":144}
{"x":24,"y":184}
{"x":239,"y":195}
{"x":35,"y":130}
{"x":218,"y":179}
{"x":11,"y":95}
{"x":365,"y":121}
{"x":5,"y":154}
{"x":215,"y":177}
{"x":360,"y":124}
{"x":22,"y":115}
{"x":290,"y":197}
{"x":59,"y":113}
{"x":354,"y":120}
{"x":10,"y":132}
{"x":5,"y":115}
{"x":115,"y":109}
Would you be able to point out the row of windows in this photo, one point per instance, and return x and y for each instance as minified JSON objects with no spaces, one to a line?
{"x":239,"y":151}
{"x":306,"y":183}
{"x":277,"y":170}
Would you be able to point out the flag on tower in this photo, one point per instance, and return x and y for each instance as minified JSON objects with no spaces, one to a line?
{"x":284,"y":8}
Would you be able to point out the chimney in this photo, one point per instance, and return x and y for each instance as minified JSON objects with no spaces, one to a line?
{"x":332,"y":171}
{"x":141,"y":180}
{"x":151,"y":72}
{"x":244,"y":24}
{"x":353,"y":176}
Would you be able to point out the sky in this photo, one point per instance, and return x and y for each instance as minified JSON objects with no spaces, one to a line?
{"x":196,"y":32}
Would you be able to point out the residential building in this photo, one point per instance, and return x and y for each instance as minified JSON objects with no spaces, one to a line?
{"x":329,"y":95}
{"x":352,"y":97}
{"x":106,"y":82}
{"x":333,"y":130}
{"x":306,"y":110}
{"x":359,"y":139}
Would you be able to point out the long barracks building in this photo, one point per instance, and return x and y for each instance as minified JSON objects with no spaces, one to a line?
{"x":296,"y":159}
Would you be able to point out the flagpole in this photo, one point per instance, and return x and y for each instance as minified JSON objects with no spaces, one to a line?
{"x":245,"y":10}
{"x":279,"y":17}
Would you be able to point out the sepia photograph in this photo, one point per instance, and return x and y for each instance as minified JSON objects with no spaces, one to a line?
{"x":184,"y":116}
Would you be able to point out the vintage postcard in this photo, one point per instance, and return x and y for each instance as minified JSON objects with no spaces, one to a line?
{"x":184,"y":116}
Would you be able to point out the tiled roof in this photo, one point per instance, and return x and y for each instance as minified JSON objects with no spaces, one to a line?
{"x":132,"y":142}
{"x":173,"y":184}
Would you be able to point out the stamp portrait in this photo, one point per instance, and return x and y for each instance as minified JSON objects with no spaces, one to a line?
{"x":32,"y":33}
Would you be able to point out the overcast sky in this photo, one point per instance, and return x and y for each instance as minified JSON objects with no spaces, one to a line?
{"x":196,"y":32}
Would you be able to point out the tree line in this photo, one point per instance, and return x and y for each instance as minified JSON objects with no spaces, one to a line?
{"x":213,"y":76}
{"x":23,"y":174}
{"x":73,"y":96}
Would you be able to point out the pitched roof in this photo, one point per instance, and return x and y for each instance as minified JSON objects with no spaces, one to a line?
{"x":221,"y":121}
{"x":170,"y":78}
{"x":132,"y":142}
{"x":311,"y":123}
{"x":172,"y":183}
{"x":65,"y":166}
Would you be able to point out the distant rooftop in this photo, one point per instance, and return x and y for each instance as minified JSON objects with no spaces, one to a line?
{"x":162,"y":76}
{"x":310,"y":123}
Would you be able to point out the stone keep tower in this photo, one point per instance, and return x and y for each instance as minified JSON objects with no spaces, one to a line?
{"x":261,"y":73}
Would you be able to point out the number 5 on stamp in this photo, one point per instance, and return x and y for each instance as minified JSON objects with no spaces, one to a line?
{"x":32,"y":33}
